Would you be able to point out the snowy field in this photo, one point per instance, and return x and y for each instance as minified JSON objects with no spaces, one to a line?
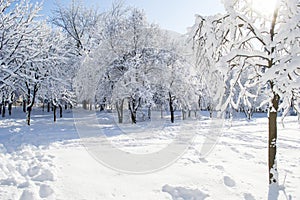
{"x":49,"y":161}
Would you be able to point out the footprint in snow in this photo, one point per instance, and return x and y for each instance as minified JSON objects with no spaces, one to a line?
{"x":248,"y":156}
{"x":229,"y":182}
{"x":46,"y":175}
{"x":219,"y":167}
{"x":248,"y":196}
{"x":234,"y":149}
{"x":181,"y":193}
{"x":45,"y":191}
{"x":27,"y":195}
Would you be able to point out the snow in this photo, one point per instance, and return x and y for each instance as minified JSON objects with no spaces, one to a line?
{"x":49,"y":161}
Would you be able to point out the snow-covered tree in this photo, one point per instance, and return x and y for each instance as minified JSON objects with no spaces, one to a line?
{"x":17,"y":29}
{"x":79,"y":23}
{"x":255,"y":52}
{"x":134,"y":62}
{"x":30,"y":52}
{"x":124,"y":35}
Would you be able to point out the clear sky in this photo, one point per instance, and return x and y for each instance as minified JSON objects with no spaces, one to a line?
{"x":174,"y":15}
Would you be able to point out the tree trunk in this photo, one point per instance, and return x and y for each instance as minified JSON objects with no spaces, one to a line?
{"x":171,"y":107}
{"x":48,"y":107}
{"x":10,"y":107}
{"x":3,"y":109}
{"x":30,"y":102}
{"x":24,"y":105}
{"x":28,"y":115}
{"x":183,"y":114}
{"x":272,"y":147}
{"x":84,"y":104}
{"x":199,"y":103}
{"x":149,"y":112}
{"x":54,"y":113}
{"x":133,"y":116}
{"x":60,"y":111}
{"x":120,"y":111}
{"x":133,"y":106}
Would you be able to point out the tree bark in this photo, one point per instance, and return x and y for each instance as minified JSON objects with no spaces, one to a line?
{"x":133,"y":106}
{"x":120,"y":111}
{"x":30,"y":102}
{"x":171,"y":107}
{"x":272,"y":147}
{"x":183,"y":114}
{"x":24,"y":105}
{"x":272,"y":143}
{"x":54,"y":113}
{"x":3,"y":109}
{"x":149,"y":112}
{"x":84,"y":104}
{"x":60,"y":111}
{"x":133,"y":116}
{"x":48,"y":106}
{"x":10,"y":107}
{"x":28,"y":115}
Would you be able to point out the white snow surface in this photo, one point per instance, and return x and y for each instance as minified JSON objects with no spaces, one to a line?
{"x":48,"y":161}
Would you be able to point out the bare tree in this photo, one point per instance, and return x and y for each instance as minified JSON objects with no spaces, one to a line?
{"x":79,"y":22}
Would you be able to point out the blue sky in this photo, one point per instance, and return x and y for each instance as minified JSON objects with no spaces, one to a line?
{"x":174,"y":15}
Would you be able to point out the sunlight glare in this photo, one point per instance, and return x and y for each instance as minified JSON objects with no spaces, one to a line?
{"x":265,"y":7}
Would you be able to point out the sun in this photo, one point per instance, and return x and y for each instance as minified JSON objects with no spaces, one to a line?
{"x":264,"y":7}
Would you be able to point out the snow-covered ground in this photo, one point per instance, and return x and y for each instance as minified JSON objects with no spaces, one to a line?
{"x":49,"y":161}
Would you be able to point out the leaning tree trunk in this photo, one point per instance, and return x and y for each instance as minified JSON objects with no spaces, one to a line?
{"x":272,"y":147}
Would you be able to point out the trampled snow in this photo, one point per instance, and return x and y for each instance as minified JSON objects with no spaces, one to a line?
{"x":49,"y":161}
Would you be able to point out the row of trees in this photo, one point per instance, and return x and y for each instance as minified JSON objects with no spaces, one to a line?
{"x":111,"y":58}
{"x":136,"y":64}
{"x":33,"y":57}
